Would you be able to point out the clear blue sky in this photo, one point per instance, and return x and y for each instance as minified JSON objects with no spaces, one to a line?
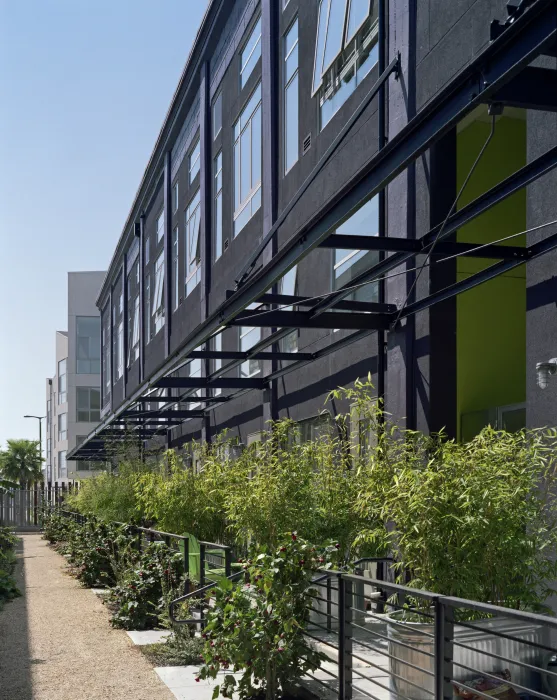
{"x":84,"y":88}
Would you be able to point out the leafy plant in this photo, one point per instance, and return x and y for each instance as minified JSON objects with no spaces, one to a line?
{"x":257,"y":627}
{"x":180,"y":649}
{"x":8,"y":587}
{"x":21,"y":462}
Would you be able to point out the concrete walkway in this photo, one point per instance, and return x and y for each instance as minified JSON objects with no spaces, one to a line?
{"x":56,"y":642}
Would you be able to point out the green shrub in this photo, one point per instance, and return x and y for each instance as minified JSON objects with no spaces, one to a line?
{"x":181,"y":649}
{"x":8,"y":587}
{"x":56,"y":528}
{"x":145,"y":584}
{"x":257,"y":627}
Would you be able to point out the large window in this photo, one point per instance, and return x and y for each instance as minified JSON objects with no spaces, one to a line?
{"x":133,"y":338}
{"x":158,"y":294}
{"x":248,"y":338}
{"x":218,"y":205}
{"x":88,"y":405}
{"x":247,"y":162}
{"x":62,"y":426}
{"x":106,"y":352}
{"x":250,"y":53}
{"x":194,"y":370}
{"x":193,"y":243}
{"x":217,"y":116}
{"x":195,"y":160}
{"x":175,"y":193}
{"x":147,"y":309}
{"x":345,"y":51}
{"x":350,"y":263}
{"x":176,"y":267}
{"x":289,"y":286}
{"x":217,"y":364}
{"x":291,"y":137}
{"x":62,"y":464}
{"x":88,"y":345}
{"x":62,"y":382}
{"x":160,"y":226}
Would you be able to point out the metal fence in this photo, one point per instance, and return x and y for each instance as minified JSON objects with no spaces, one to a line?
{"x":389,"y":642}
{"x":21,"y":508}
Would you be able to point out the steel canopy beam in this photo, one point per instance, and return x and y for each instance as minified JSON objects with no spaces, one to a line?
{"x":245,"y":355}
{"x":176,"y":399}
{"x":206,"y":382}
{"x":303,"y":319}
{"x":295,"y":300}
{"x":173,"y":415}
{"x":408,"y":245}
{"x":534,"y":88}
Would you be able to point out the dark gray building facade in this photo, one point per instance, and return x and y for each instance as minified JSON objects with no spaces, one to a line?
{"x":356,"y":145}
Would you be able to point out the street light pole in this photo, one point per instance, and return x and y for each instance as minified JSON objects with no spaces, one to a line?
{"x":40,"y":419}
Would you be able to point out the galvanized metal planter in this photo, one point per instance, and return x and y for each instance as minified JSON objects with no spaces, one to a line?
{"x":420,"y":684}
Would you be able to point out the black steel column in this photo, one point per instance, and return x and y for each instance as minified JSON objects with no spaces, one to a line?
{"x":206,"y":206}
{"x":167,"y":253}
{"x":382,"y":138}
{"x":141,"y":297}
{"x":270,"y":141}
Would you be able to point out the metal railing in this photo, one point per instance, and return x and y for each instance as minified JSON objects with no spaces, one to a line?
{"x":215,"y":560}
{"x":398,"y":643}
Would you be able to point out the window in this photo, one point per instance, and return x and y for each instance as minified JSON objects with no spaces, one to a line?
{"x":250,"y":53}
{"x":217,"y":116}
{"x":147,"y":309}
{"x":291,"y":140}
{"x":217,"y":364}
{"x":193,"y":243}
{"x":247,"y":162}
{"x":175,"y":193}
{"x":88,"y":405}
{"x":175,"y":266}
{"x":158,"y":294}
{"x":106,"y":352}
{"x":218,"y":206}
{"x":83,"y":466}
{"x":160,"y":226}
{"x":133,"y":336}
{"x":48,"y":413}
{"x":284,"y":4}
{"x":343,"y":58}
{"x":289,"y":286}
{"x":62,"y":382}
{"x":48,"y":449}
{"x":88,"y":345}
{"x":312,"y":429}
{"x":62,"y":426}
{"x":147,"y":245}
{"x":194,"y":370}
{"x":350,"y":263}
{"x":195,"y":160}
{"x":248,"y":338}
{"x":119,"y":350}
{"x":62,"y":464}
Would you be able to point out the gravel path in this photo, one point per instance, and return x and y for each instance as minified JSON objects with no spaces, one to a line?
{"x":56,"y":642}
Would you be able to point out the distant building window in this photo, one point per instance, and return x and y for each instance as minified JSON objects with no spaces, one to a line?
{"x":247,"y":162}
{"x":195,"y":160}
{"x":217,"y":116}
{"x":193,"y":243}
{"x":218,"y":205}
{"x":48,"y":449}
{"x":62,"y":382}
{"x":248,"y":338}
{"x":350,"y":263}
{"x":48,"y":413}
{"x":175,"y":197}
{"x":160,"y":226}
{"x":343,"y":58}
{"x":106,"y":353}
{"x":175,"y":266}
{"x":158,"y":294}
{"x":62,"y":426}
{"x":88,"y":345}
{"x":62,"y":464}
{"x":289,"y":286}
{"x":251,"y":53}
{"x":291,"y":136}
{"x":88,"y":405}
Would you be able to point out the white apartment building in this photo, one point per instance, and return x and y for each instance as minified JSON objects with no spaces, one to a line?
{"x":73,"y":393}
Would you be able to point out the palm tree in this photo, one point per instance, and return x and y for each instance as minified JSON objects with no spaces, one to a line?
{"x":21,"y":462}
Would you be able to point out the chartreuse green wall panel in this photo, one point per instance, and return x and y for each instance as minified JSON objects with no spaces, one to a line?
{"x":491,"y":318}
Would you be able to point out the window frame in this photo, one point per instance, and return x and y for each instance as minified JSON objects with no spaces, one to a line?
{"x":160,"y":226}
{"x":175,"y":195}
{"x":193,"y":228}
{"x":147,"y":308}
{"x":258,"y":43}
{"x":63,"y":378}
{"x":217,"y":362}
{"x":241,"y":205}
{"x":62,"y":427}
{"x":295,"y":333}
{"x":287,"y":82}
{"x":194,"y":166}
{"x":217,"y":101}
{"x":77,"y":337}
{"x":218,"y":197}
{"x":158,"y":296}
{"x":244,"y":331}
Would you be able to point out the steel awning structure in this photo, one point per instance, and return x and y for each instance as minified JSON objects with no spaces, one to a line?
{"x":502,"y":75}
